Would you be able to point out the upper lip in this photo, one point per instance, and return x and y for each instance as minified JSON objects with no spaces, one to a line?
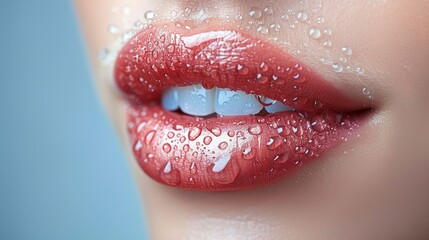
{"x":164,"y":56}
{"x":173,"y":56}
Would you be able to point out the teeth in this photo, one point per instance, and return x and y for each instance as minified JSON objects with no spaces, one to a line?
{"x":230,"y":103}
{"x":170,"y":99}
{"x":197,"y":101}
{"x":276,"y":106}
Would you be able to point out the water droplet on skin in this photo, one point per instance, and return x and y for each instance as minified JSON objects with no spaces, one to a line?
{"x":327,"y":32}
{"x":113,"y":29}
{"x":320,"y":20}
{"x":166,"y":147}
{"x":360,"y":70}
{"x":231,"y":133}
{"x":327,"y":43}
{"x":347,"y":51}
{"x":194,"y":133}
{"x":302,"y":16}
{"x":169,"y":175}
{"x":337,"y":67}
{"x":207,"y":140}
{"x":262,"y":29}
{"x":255,"y":130}
{"x":269,"y":11}
{"x":314,"y":33}
{"x":149,"y":15}
{"x":366,"y":92}
{"x":223,"y":145}
{"x":255,"y":13}
{"x":242,"y":70}
{"x":275,"y":26}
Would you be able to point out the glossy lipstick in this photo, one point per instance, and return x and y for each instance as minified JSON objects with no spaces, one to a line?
{"x":226,"y":153}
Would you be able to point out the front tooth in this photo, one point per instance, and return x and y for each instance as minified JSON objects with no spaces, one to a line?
{"x":276,"y":106}
{"x":170,"y":99}
{"x":196,"y":100}
{"x":233,"y":103}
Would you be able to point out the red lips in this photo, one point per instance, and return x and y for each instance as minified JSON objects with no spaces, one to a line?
{"x":226,"y":153}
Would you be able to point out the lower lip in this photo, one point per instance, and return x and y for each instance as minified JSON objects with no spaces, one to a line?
{"x":231,"y":153}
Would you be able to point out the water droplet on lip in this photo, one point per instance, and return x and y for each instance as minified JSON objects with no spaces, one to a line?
{"x":249,"y":153}
{"x":282,"y":158}
{"x":223,"y":145}
{"x":169,"y":175}
{"x":255,"y":130}
{"x":166,"y":147}
{"x":194,"y":133}
{"x":225,"y":170}
{"x":207,"y":140}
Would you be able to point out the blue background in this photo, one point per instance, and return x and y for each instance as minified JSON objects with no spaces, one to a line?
{"x":63,"y":174}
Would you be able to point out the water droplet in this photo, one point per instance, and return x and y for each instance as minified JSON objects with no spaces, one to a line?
{"x":360,"y":70}
{"x":337,"y":67}
{"x":255,"y":13}
{"x":186,"y":147}
{"x":231,"y":133}
{"x":327,"y":43}
{"x":170,"y":135}
{"x":302,"y":16}
{"x":149,"y":15}
{"x":193,"y":168}
{"x":282,"y":158}
{"x":182,"y":139}
{"x":223,"y":145}
{"x":285,"y":17}
{"x":269,"y":10}
{"x":274,"y":143}
{"x":171,"y":48}
{"x":224,"y":171}
{"x":207,"y":140}
{"x":249,"y":153}
{"x":242,"y":70}
{"x":318,"y":104}
{"x":314,"y":33}
{"x":113,"y":29}
{"x":320,"y":20}
{"x":327,"y":32}
{"x":194,"y":133}
{"x":347,"y":51}
{"x":169,"y":175}
{"x":262,"y":29}
{"x":149,"y":137}
{"x":318,"y":124}
{"x":366,"y":92}
{"x":255,"y":130}
{"x":275,"y":26}
{"x":166,"y":147}
{"x":216,"y":131}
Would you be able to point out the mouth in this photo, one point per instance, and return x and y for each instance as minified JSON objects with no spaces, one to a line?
{"x":221,"y":110}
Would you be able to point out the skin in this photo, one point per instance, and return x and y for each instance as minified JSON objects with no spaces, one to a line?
{"x":371,"y":187}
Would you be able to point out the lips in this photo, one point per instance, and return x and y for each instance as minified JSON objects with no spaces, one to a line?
{"x":223,"y":153}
